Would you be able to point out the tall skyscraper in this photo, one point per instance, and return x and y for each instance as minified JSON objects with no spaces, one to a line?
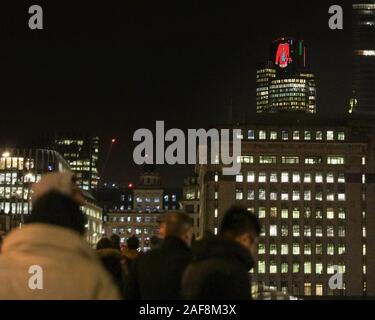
{"x":284,"y":84}
{"x":363,"y":100}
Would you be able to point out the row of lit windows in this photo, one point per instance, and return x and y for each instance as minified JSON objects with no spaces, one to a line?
{"x":18,"y":163}
{"x":295,"y":195}
{"x":332,"y":160}
{"x":286,"y":177}
{"x":307,"y":249}
{"x":308,"y":231}
{"x":295,"y":213}
{"x":166,"y":198}
{"x":131,"y":231}
{"x":307,"y":135}
{"x":274,"y":268}
{"x":137,"y":219}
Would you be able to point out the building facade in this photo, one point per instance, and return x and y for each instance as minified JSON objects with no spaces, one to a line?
{"x":81,"y":151}
{"x":363,"y":100}
{"x":284,"y":84}
{"x":312,"y":186}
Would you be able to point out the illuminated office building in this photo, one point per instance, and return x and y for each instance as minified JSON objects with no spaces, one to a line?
{"x":19,"y":169}
{"x":363,"y":100}
{"x":285,"y":84}
{"x":313,"y":187}
{"x":81,"y":151}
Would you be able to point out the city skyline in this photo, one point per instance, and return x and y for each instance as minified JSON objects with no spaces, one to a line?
{"x":189,"y":62}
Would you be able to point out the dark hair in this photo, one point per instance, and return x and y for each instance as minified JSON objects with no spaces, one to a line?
{"x":132,"y":243}
{"x":115,"y":239}
{"x":176,"y":223}
{"x":104,"y":243}
{"x":238,"y":221}
{"x":58,"y":209}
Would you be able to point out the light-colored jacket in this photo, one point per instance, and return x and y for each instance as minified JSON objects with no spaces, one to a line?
{"x":70,"y":269}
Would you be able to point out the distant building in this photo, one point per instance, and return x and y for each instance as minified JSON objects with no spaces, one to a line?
{"x":81,"y":151}
{"x":284,"y":83}
{"x":312,"y":185}
{"x":135,"y":210}
{"x":19,"y":169}
{"x":363,"y":100}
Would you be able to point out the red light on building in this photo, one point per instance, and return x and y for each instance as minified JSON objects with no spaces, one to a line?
{"x":283,"y":56}
{"x":113,"y":140}
{"x":130,"y":185}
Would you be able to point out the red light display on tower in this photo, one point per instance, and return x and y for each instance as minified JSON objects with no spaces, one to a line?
{"x":283,"y":57}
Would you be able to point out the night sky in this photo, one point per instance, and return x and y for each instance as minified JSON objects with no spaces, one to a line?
{"x":109,"y":68}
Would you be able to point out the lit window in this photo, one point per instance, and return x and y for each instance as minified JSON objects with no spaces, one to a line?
{"x":273,"y":212}
{"x":284,"y":177}
{"x":284,"y":230}
{"x":262,"y":178}
{"x":341,"y":197}
{"x":284,"y":213}
{"x":216,"y":177}
{"x":296,"y":135}
{"x":318,"y":249}
{"x":329,"y":135}
{"x":330,"y":178}
{"x":307,"y":231}
{"x":262,"y":194}
{"x":273,"y":177}
{"x":261,"y":266}
{"x":296,"y":178}
{"x":284,"y":135}
{"x":319,"y":196}
{"x":341,"y":249}
{"x":307,"y":195}
{"x":335,"y":160}
{"x":319,"y":135}
{"x":307,"y":267}
{"x":239,"y":177}
{"x":251,"y":134}
{"x":284,"y":249}
{"x":296,"y":230}
{"x":313,"y":160}
{"x":239,"y":134}
{"x":273,"y":231}
{"x":341,"y":231}
{"x":296,"y":250}
{"x":330,"y":249}
{"x":273,"y":249}
{"x":273,"y":196}
{"x":290,"y":159}
{"x":239,"y":194}
{"x":330,"y":231}
{"x":319,"y":268}
{"x":318,"y":289}
{"x":341,"y":213}
{"x":262,"y":135}
{"x":284,"y":267}
{"x":250,"y":177}
{"x":216,"y":212}
{"x":284,"y":196}
{"x":307,"y":135}
{"x":318,"y":231}
{"x":250,"y":194}
{"x":273,"y":267}
{"x":307,"y":178}
{"x":273,"y":135}
{"x":330,"y":213}
{"x":217,"y":195}
{"x":261,"y":248}
{"x":262,"y":212}
{"x":267,"y":159}
{"x":295,"y":267}
{"x":330,"y":268}
{"x":295,"y":213}
{"x":296,"y":196}
{"x":341,"y":136}
{"x":318,"y":178}
{"x":330,"y":196}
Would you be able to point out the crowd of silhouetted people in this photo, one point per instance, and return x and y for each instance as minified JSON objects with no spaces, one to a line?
{"x":176,"y":267}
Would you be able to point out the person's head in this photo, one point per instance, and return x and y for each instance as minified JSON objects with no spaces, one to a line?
{"x":132,"y":243}
{"x":115,"y":239}
{"x":179,"y":225}
{"x":55,"y":201}
{"x":241,"y":226}
{"x":104,"y":243}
